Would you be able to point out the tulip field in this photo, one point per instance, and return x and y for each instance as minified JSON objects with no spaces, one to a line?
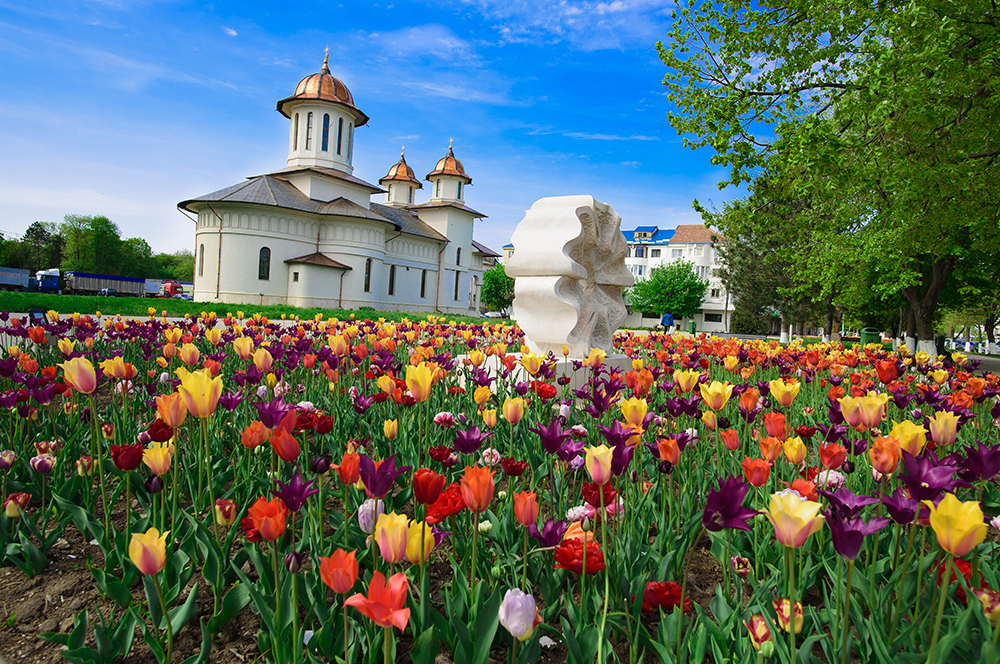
{"x":232,"y":488}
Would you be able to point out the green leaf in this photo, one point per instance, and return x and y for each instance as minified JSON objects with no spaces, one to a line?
{"x":425,"y":647}
{"x":487,"y":620}
{"x":234,"y":601}
{"x":206,"y":647}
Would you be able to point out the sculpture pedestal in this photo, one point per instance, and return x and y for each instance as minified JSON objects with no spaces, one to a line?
{"x":563,"y":367}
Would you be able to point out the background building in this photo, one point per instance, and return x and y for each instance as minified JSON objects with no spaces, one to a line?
{"x":651,"y":246}
{"x":309,"y":235}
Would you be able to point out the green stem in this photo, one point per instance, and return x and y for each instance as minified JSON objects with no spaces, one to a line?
{"x":844,"y":649}
{"x":277,"y":601}
{"x":475,"y":538}
{"x":583,"y":586}
{"x":97,"y":451}
{"x":899,"y":588}
{"x":166,"y":618}
{"x":524,"y":563}
{"x":604,"y":547}
{"x":387,"y":646}
{"x":920,"y":570}
{"x":790,"y":555}
{"x":346,"y":659}
{"x":208,"y":472}
{"x":945,"y":582}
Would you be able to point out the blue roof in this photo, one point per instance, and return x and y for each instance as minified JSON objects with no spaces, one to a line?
{"x":660,"y":236}
{"x":509,"y":245}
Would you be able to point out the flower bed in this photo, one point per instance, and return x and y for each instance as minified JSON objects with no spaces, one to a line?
{"x":318,"y":490}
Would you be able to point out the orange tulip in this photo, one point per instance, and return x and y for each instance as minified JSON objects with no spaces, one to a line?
{"x":269,"y":518}
{"x":884,"y":454}
{"x":349,"y":469}
{"x":285,"y":445}
{"x":171,"y":409}
{"x":477,"y":488}
{"x":730,"y":438}
{"x":832,"y":456}
{"x":770,"y":448}
{"x":757,"y":471}
{"x":774,"y":424}
{"x":339,"y":571}
{"x":669,"y":450}
{"x":254,"y":434}
{"x":525,"y":507}
{"x":385,"y":602}
{"x":749,"y":399}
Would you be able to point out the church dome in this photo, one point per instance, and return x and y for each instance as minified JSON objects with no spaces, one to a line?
{"x":401,"y":172}
{"x":325,"y":87}
{"x":449,"y":165}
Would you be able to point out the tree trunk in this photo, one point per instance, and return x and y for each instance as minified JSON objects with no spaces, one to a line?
{"x":924,"y":304}
{"x":992,"y":317}
{"x":784,"y":330}
{"x":911,"y":331}
{"x":828,"y":318}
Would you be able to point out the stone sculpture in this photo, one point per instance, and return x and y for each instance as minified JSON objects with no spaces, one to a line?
{"x":569,"y":266}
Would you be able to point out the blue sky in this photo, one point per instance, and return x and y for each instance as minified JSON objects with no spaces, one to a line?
{"x":125,"y":108}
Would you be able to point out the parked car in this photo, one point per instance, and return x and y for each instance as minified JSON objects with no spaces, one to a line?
{"x":493,"y":314}
{"x":107,"y":292}
{"x":183,"y":296}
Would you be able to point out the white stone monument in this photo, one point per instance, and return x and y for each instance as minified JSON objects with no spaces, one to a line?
{"x":569,"y":266}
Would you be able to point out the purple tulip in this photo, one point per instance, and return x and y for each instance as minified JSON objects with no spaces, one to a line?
{"x":900,"y":506}
{"x":470,"y":440}
{"x":552,"y":436}
{"x":272,"y":412}
{"x":848,"y":533}
{"x":551,"y":534}
{"x":43,"y":463}
{"x":724,"y":506}
{"x":846,"y":503}
{"x":295,"y":493}
{"x":927,"y":478}
{"x":981,"y":463}
{"x":7,"y":459}
{"x":517,"y":614}
{"x":230,"y":401}
{"x":379,"y":480}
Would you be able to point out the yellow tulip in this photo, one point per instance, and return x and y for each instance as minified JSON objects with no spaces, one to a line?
{"x":911,"y":437}
{"x":595,"y":359}
{"x":490,"y":417}
{"x":66,"y":346}
{"x":958,"y":525}
{"x":599,"y":463}
{"x":172,"y":335}
{"x":80,"y":375}
{"x":687,"y":380}
{"x":785,"y":393}
{"x":477,"y":357}
{"x":419,"y":380}
{"x":148,"y":551}
{"x":189,"y":354}
{"x":634,"y":411}
{"x":157,"y":457}
{"x":386,"y":384}
{"x":390,"y":535}
{"x":513,"y":409}
{"x":794,"y":519}
{"x":243,"y":347}
{"x":944,"y":428}
{"x":390,"y":428}
{"x":482,"y":395}
{"x":214,"y":336}
{"x":419,"y":542}
{"x":717,"y":394}
{"x":939,"y":376}
{"x":795,"y":451}
{"x":532,"y":363}
{"x":637,"y":364}
{"x":200,"y":390}
{"x":262,"y":359}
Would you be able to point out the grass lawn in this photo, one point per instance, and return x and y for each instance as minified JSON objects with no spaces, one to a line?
{"x":137,"y":306}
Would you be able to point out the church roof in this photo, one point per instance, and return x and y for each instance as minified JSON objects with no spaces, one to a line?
{"x":407,"y":221}
{"x":449,"y":165}
{"x":326,"y":87}
{"x":484,"y":250}
{"x":329,"y":172}
{"x":319,"y":259}
{"x":401,"y":172}
{"x":453,"y":204}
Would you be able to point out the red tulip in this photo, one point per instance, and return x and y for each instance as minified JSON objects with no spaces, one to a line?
{"x":449,"y":503}
{"x":427,"y":486}
{"x":269,"y":518}
{"x":339,"y":571}
{"x":285,"y":445}
{"x":127,"y":457}
{"x":757,"y":471}
{"x":569,"y":555}
{"x":385,"y":601}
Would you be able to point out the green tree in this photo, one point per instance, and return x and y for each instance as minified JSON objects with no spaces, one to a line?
{"x":498,"y":289}
{"x":91,"y":244}
{"x":137,"y":258}
{"x":881,"y":113}
{"x":670,"y":288}
{"x":42,"y":246}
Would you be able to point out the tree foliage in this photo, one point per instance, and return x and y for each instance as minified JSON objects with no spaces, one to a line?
{"x":879,"y":119}
{"x":498,"y":289}
{"x":670,"y":288}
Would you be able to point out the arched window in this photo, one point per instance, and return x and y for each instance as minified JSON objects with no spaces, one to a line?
{"x":437,"y":187}
{"x":309,"y":131}
{"x":409,"y":196}
{"x":458,"y":275}
{"x":458,"y":256}
{"x":326,"y":132}
{"x":389,"y":193}
{"x":368,"y":275}
{"x":423,"y":278}
{"x":340,"y":134}
{"x":201,"y":260}
{"x":459,"y":189}
{"x":264,"y":264}
{"x":392,"y":280}
{"x":295,"y":133}
{"x":350,"y":141}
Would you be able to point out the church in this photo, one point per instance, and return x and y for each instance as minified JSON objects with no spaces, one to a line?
{"x":309,"y":235}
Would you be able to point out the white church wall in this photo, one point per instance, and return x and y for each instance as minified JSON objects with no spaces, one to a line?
{"x":305,"y":148}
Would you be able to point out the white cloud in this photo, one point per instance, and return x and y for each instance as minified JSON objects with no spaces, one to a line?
{"x":229,"y":31}
{"x":634,"y":164}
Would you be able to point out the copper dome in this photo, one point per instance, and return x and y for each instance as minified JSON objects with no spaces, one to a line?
{"x":401,"y":172}
{"x":449,"y":165}
{"x":326,"y":87}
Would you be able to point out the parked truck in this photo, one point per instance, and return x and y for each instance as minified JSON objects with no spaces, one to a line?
{"x":11,"y":278}
{"x":85,"y":283}
{"x":46,"y":281}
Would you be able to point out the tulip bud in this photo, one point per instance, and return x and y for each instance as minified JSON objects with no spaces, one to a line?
{"x":741,"y":566}
{"x":153,"y":484}
{"x":85,"y":466}
{"x":15,"y":503}
{"x":7,"y":459}
{"x":634,"y":475}
{"x":108,"y":431}
{"x":495,"y":572}
{"x":585,"y":525}
{"x":144,"y":438}
{"x":723,"y":422}
{"x":293,"y":562}
{"x":847,"y":467}
{"x":225,"y":512}
{"x":320,"y":464}
{"x":485,"y":527}
{"x":368,"y":513}
{"x":665,"y":467}
{"x":767,"y":648}
{"x":43,"y":463}
{"x":502,"y":495}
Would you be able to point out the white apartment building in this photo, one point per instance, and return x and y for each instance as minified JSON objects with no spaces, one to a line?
{"x":651,"y":246}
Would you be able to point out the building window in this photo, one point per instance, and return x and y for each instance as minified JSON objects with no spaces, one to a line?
{"x":458,"y":275}
{"x":715,"y":292}
{"x":437,"y":187}
{"x":389,"y":193}
{"x":459,"y":189}
{"x":368,"y":275}
{"x":677,"y":253}
{"x":264,"y":264}
{"x":713,"y":318}
{"x":340,"y":133}
{"x":309,"y":131}
{"x":458,"y":256}
{"x":629,"y":254}
{"x":640,"y":270}
{"x":697,"y":251}
{"x":201,"y":261}
{"x":295,"y":276}
{"x":423,"y":281}
{"x":638,"y":252}
{"x":295,"y":133}
{"x":409,"y":195}
{"x":654,"y":253}
{"x":326,"y":132}
{"x":350,"y":141}
{"x":392,"y":280}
